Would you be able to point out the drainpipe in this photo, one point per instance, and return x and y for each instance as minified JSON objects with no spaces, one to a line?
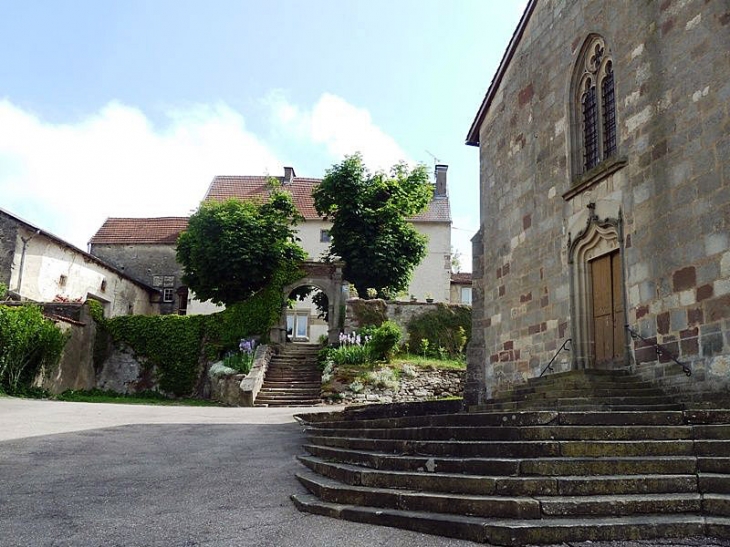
{"x":22,"y":259}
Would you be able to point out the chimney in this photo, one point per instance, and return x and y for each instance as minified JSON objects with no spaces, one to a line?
{"x":289,"y":175}
{"x":440,"y":175}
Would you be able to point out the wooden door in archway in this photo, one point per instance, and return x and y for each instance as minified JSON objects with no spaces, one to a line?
{"x":608,"y":311}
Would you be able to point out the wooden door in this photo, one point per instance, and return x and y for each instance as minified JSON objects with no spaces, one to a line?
{"x":607,"y":305}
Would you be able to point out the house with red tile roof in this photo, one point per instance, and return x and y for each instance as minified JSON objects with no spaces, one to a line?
{"x":145,"y":247}
{"x":430,"y":279}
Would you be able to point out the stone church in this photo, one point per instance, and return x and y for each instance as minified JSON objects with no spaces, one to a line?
{"x":604,"y":145}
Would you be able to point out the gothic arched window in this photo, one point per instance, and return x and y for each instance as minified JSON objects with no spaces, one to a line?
{"x":594,"y":106}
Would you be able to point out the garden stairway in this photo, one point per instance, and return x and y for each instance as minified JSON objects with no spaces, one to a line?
{"x":293,"y":378}
{"x":578,"y":456}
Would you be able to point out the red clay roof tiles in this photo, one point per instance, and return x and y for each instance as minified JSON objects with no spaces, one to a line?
{"x":461,"y":278}
{"x":165,"y":230}
{"x":223,"y":188}
{"x":155,"y":231}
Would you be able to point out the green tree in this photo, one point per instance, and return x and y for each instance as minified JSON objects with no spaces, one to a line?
{"x":232,"y":249}
{"x":370,"y":229}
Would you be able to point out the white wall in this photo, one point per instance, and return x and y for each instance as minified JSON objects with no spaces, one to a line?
{"x":46,"y":260}
{"x":433,"y":275}
{"x":309,"y":233}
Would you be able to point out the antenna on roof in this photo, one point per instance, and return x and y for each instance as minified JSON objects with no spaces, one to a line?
{"x":435,"y":159}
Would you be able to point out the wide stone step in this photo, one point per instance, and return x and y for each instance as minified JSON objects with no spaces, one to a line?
{"x":511,"y":433}
{"x":285,"y":386}
{"x":518,"y":531}
{"x":713,"y":465}
{"x":287,"y":402}
{"x":499,"y":506}
{"x":294,"y":370}
{"x":599,"y":383}
{"x":505,"y":486}
{"x":292,"y":393}
{"x":620,"y":505}
{"x":513,"y":449}
{"x":716,"y":504}
{"x":553,"y":395}
{"x":673,"y":465}
{"x":293,"y":376}
{"x":487,"y":506}
{"x":587,"y":403}
{"x":714,"y":483}
{"x":302,"y":376}
{"x":509,"y":419}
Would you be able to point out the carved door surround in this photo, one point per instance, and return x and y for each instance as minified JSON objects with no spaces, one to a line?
{"x":599,"y":237}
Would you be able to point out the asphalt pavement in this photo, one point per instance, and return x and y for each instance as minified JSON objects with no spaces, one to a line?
{"x":83,"y":474}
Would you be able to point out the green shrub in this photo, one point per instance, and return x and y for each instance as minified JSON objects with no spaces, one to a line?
{"x":446,"y":330}
{"x":384,"y":341}
{"x":239,"y":361}
{"x":350,"y":355}
{"x":28,"y":341}
{"x":384,"y":378}
{"x":177,"y":346}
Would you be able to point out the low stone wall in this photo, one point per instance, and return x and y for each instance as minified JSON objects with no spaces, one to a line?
{"x":251,"y":384}
{"x":427,"y":385}
{"x":234,"y":389}
{"x":374,"y":312}
{"x":75,"y":369}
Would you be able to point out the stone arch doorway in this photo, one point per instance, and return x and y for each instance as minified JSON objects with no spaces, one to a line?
{"x":325,"y":277}
{"x":598,"y":299}
{"x":307,"y":314}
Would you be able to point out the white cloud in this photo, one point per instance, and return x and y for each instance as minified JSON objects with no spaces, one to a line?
{"x":340,"y":127}
{"x":67,"y":178}
{"x":463,"y":229}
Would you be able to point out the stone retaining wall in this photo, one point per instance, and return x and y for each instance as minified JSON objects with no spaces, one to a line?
{"x":427,"y":385}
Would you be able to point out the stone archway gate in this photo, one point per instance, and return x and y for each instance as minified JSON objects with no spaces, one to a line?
{"x":327,"y":277}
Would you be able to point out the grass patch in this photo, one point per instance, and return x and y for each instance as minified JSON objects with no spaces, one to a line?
{"x":143,"y":398}
{"x":429,"y":363}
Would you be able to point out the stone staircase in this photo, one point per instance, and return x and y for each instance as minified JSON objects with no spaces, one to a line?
{"x":293,"y":378}
{"x":578,"y":456}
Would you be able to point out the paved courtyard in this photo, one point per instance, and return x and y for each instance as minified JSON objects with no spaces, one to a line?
{"x":78,"y":474}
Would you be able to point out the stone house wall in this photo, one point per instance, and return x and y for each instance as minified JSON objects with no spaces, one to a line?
{"x":75,"y":369}
{"x":8,"y":238}
{"x":41,"y":267}
{"x":150,"y":264}
{"x":666,"y":195}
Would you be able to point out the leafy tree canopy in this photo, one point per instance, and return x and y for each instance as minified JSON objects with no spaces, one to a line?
{"x":370,"y":229}
{"x":232,"y":249}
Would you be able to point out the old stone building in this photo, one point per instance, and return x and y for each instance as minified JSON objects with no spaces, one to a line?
{"x":38,"y":266}
{"x":144,"y":248}
{"x":604,"y":140}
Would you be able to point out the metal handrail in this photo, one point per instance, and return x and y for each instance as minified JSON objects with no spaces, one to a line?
{"x":566,"y":343}
{"x":660,"y":350}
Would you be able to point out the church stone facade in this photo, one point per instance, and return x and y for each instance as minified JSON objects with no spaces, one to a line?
{"x":604,"y":144}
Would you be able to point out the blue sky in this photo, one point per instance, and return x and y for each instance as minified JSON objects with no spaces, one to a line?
{"x":131,"y":108}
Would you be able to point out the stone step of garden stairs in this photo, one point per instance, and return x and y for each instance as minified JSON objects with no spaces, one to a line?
{"x":572,"y":470}
{"x":293,"y":378}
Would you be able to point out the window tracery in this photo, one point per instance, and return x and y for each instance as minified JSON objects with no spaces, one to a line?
{"x":594,"y":106}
